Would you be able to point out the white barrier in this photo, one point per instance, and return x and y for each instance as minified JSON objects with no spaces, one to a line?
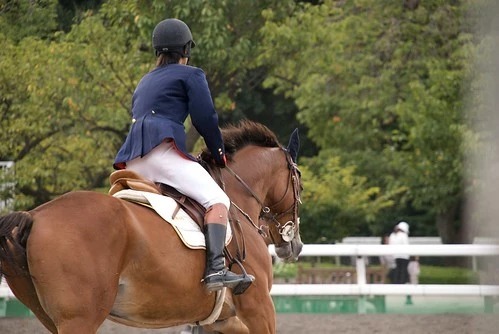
{"x":384,"y":289}
{"x":376,"y":250}
{"x":5,"y":290}
{"x":363,"y":289}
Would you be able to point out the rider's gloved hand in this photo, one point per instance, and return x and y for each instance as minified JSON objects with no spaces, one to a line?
{"x":221,"y":160}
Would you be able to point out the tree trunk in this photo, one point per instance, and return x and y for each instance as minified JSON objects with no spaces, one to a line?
{"x":452,"y":231}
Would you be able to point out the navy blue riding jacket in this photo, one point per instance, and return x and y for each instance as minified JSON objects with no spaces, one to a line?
{"x":161,"y":102}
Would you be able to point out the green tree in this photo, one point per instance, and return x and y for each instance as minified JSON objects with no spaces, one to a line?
{"x":65,"y":101}
{"x":338,"y":201}
{"x":380,"y":85}
{"x":23,"y":18}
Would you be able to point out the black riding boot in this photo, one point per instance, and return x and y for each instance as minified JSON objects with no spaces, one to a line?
{"x":216,"y":275}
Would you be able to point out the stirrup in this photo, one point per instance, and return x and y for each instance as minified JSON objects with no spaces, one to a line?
{"x":220,"y":280}
{"x":243,"y":285}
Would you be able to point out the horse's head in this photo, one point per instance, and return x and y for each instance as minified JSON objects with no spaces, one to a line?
{"x":281,"y":217}
{"x":266,"y":184}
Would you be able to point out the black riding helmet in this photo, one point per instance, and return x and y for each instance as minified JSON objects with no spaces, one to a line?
{"x":172,"y":35}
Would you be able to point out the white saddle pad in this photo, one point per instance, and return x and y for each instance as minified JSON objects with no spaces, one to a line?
{"x":186,"y":228}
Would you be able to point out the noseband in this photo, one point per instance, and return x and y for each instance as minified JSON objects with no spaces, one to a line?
{"x":287,"y":230}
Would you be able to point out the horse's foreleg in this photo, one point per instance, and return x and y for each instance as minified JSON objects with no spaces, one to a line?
{"x":257,"y":313}
{"x":77,"y":325}
{"x":232,"y":325}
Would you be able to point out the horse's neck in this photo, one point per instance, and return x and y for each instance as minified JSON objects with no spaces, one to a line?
{"x":257,"y":167}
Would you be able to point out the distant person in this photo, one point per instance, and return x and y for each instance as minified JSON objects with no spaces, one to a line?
{"x":388,"y":261}
{"x":400,"y":236}
{"x":414,"y":271}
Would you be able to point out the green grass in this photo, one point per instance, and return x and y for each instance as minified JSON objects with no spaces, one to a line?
{"x":447,"y":275}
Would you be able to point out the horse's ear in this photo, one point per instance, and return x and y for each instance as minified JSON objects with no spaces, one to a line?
{"x":294,"y":145}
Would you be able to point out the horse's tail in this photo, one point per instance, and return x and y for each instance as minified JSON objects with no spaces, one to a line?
{"x":14,"y":231}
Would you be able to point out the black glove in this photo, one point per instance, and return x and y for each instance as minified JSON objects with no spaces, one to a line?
{"x":221,"y":162}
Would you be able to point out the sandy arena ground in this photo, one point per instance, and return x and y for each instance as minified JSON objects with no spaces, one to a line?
{"x":318,"y":324}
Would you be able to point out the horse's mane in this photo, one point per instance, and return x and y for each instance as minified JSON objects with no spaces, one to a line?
{"x":242,"y":134}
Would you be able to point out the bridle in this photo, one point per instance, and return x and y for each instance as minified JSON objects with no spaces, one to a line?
{"x":286,"y":230}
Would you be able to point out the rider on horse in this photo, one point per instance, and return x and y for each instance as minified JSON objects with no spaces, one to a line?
{"x":156,"y":143}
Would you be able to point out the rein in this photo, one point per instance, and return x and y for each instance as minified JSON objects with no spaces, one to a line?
{"x":286,"y":230}
{"x":264,"y":208}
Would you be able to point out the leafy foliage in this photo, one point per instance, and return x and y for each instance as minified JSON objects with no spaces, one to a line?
{"x":380,"y":86}
{"x":24,"y":18}
{"x":66,"y":103}
{"x":338,"y":201}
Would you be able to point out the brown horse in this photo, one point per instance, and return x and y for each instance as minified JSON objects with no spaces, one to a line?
{"x":86,"y":256}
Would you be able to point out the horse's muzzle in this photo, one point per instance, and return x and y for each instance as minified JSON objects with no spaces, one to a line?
{"x":289,"y":251}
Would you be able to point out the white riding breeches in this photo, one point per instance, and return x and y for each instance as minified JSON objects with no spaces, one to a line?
{"x":167,"y":165}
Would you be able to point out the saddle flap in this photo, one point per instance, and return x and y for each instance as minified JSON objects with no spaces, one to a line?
{"x":166,"y":207}
{"x":195,"y":210}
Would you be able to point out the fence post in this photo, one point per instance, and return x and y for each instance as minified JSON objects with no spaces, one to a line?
{"x":360,"y":265}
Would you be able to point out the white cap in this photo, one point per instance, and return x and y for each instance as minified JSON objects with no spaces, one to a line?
{"x":404,"y":227}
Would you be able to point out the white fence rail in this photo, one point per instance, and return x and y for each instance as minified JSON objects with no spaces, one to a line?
{"x":384,"y":289}
{"x":377,"y":250}
{"x":5,"y":290}
{"x":361,"y":288}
